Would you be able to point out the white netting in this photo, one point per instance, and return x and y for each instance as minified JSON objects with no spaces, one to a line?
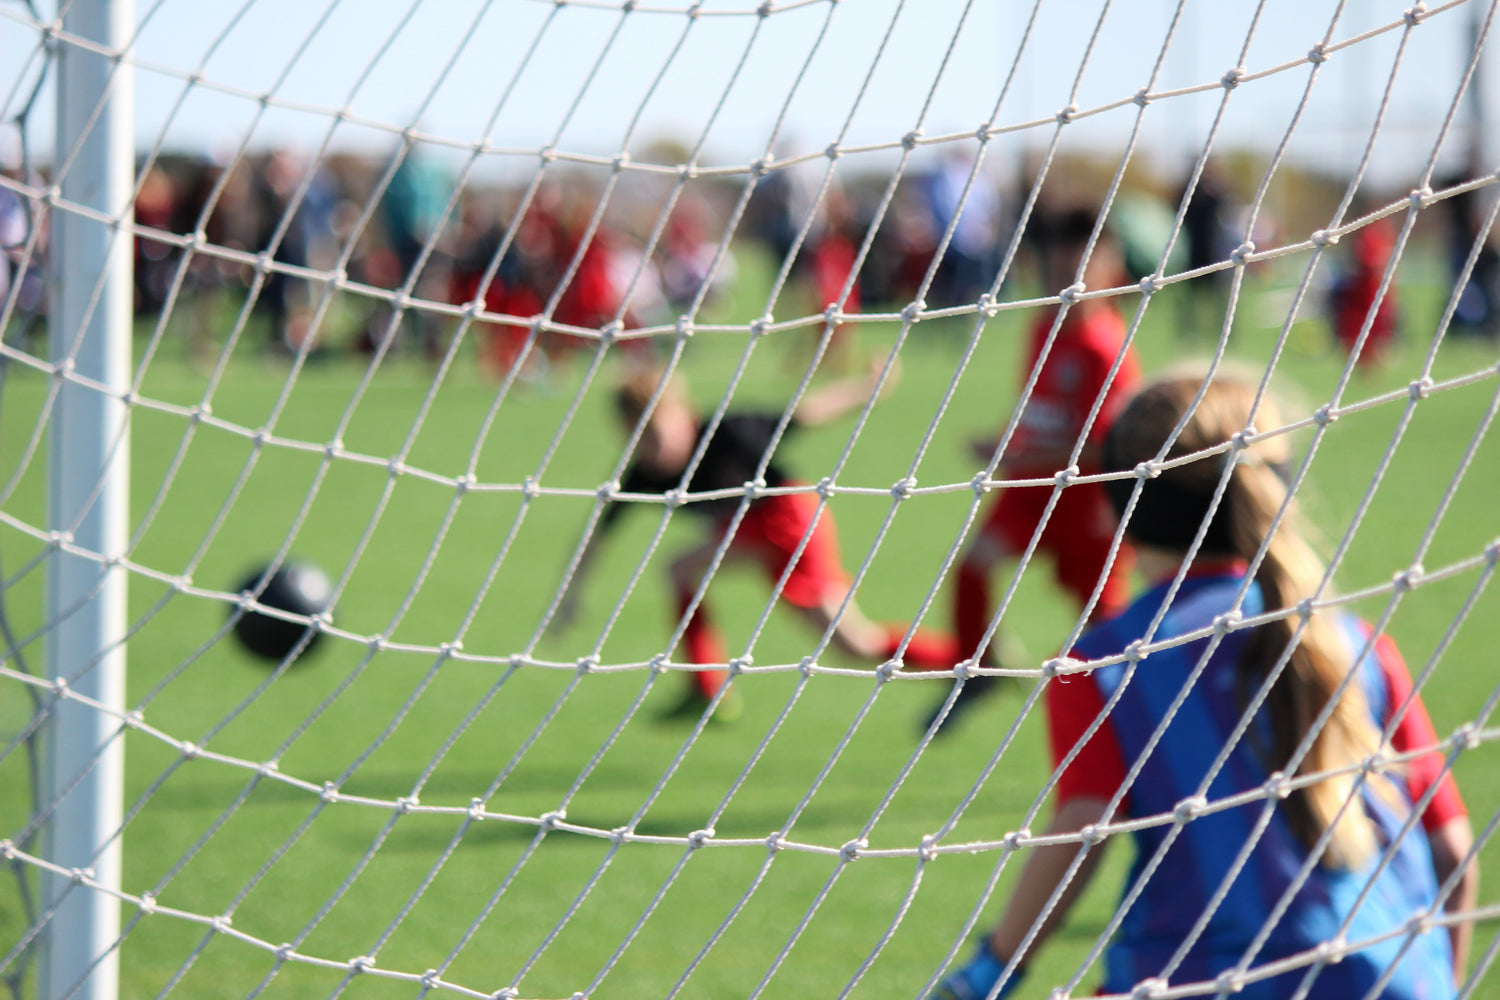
{"x":391,"y":261}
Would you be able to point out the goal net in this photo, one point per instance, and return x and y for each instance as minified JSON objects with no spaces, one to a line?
{"x":497,"y":497}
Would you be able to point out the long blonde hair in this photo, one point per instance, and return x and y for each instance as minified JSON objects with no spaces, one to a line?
{"x":1289,"y":572}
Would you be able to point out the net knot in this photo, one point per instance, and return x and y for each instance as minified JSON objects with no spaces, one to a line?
{"x":607,"y":491}
{"x":430,"y":979}
{"x":548,"y":154}
{"x":758,"y":327}
{"x":806,"y":666}
{"x":1421,"y":388}
{"x":825,"y":487}
{"x":737,"y":665}
{"x":1492,"y":552}
{"x":902,"y":488}
{"x":361,"y":964}
{"x":285,"y":951}
{"x":1232,"y":77}
{"x":461,"y":485}
{"x":1242,"y":253}
{"x":687,"y":171}
{"x":1420,"y":197}
{"x":754,"y":488}
{"x":220,"y":924}
{"x":1142,"y":97}
{"x":685,"y":326}
{"x":912,"y":311}
{"x":510,"y":992}
{"x":147,"y":904}
{"x":587,"y":664}
{"x":987,"y":306}
{"x":1324,"y":238}
{"x":1189,"y":808}
{"x":775,"y":842}
{"x":761,"y":166}
{"x":765,"y":9}
{"x":673,"y":498}
{"x":133,"y":719}
{"x":887,"y":670}
{"x":330,"y":793}
{"x":268,"y":768}
{"x":1067,"y":114}
{"x":980,"y":484}
{"x":376,"y":643}
{"x":189,"y":750}
{"x":850,"y":851}
{"x":1407,"y":578}
{"x":476,"y":809}
{"x":700,"y":838}
{"x":1324,"y":415}
{"x":405,"y":804}
{"x":1318,"y":54}
{"x":1147,"y":989}
{"x":1150,"y":284}
{"x":833,"y":152}
{"x":909,"y":140}
{"x":984,"y":133}
{"x":1016,"y":839}
{"x":831,"y":314}
{"x":1225,"y":623}
{"x":1465,"y":737}
{"x":548,"y":821}
{"x":1229,"y":981}
{"x":619,"y":835}
{"x":1065,"y":477}
{"x":1091,"y":835}
{"x":927,"y":848}
{"x":1415,"y":14}
{"x":1070,"y":294}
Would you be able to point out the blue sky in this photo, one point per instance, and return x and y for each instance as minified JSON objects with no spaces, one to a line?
{"x":448,"y":63}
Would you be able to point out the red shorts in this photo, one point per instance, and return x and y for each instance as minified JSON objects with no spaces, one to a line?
{"x":770,"y":532}
{"x":1077,"y":536}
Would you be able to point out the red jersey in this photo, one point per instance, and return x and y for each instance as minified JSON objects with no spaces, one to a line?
{"x":1071,"y":381}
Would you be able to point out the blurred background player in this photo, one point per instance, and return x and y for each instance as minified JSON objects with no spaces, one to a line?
{"x":1071,"y":377}
{"x":1347,"y":880}
{"x":768,"y":535}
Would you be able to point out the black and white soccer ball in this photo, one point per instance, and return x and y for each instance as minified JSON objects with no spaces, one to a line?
{"x":296,"y":587}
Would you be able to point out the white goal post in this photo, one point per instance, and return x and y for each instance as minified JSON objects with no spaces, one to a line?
{"x":359,"y":289}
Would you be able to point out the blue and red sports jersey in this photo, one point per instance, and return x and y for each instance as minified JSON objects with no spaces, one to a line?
{"x":1072,"y":379}
{"x":1203,"y":850}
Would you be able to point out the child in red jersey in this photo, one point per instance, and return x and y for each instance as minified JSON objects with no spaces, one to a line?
{"x":768,"y":535}
{"x":1073,"y":370}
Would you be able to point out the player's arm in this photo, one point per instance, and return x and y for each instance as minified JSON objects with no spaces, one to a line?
{"x":1451,"y":843}
{"x":1446,"y":818}
{"x":829,"y":402}
{"x":1045,"y":871}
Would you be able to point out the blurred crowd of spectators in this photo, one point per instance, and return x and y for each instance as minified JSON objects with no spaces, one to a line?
{"x":543,"y":246}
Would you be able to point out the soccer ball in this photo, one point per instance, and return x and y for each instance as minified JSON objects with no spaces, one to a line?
{"x":298,"y":587}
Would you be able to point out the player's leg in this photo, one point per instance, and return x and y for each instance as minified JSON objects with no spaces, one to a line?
{"x":700,"y":639}
{"x":814,"y":581}
{"x":1005,"y":532}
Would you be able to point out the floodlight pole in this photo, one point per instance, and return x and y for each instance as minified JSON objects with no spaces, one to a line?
{"x":89,"y":338}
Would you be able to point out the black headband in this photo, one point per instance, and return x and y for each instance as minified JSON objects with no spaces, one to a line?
{"x":1170,"y":511}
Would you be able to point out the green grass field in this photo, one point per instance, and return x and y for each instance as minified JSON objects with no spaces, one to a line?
{"x":210,"y":838}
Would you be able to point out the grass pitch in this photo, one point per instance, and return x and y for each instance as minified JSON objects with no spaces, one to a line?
{"x":493,"y":902}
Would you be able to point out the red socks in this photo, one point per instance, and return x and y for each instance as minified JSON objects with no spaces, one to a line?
{"x":928,"y":649}
{"x":704,"y":645}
